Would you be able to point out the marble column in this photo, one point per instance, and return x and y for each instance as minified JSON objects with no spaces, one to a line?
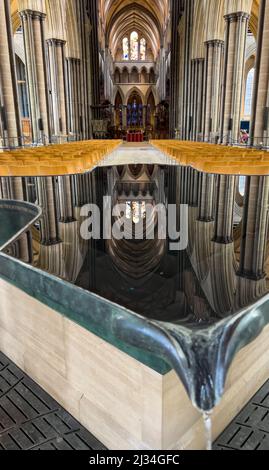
{"x":36,"y":72}
{"x":225,"y":192}
{"x":47,"y":199}
{"x":10,"y":126}
{"x":255,"y":228}
{"x":206,"y":197}
{"x":259,"y":134}
{"x":234,"y":61}
{"x":213,"y":76}
{"x":56,"y":69}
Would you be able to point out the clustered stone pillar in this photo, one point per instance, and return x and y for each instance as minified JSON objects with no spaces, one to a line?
{"x":174,"y":92}
{"x":93,"y":8}
{"x":10,"y":127}
{"x":197,"y":73}
{"x":234,"y":61}
{"x":80,"y":189}
{"x":74,"y":96}
{"x":6,"y":188}
{"x":213,"y":75}
{"x":56,"y":67}
{"x":193,"y":187}
{"x":65,"y":199}
{"x":206,"y":197}
{"x":46,"y":190}
{"x":255,"y":228}
{"x":224,"y":217}
{"x":34,"y":43}
{"x":260,"y":116}
{"x":186,"y":72}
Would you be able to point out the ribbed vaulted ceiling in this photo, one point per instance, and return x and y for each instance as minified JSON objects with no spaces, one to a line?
{"x":145,"y":16}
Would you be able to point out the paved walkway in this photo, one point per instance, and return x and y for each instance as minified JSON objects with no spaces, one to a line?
{"x":31,"y":420}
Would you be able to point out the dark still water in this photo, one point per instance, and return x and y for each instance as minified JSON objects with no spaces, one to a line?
{"x":166,"y":242}
{"x":208,"y":277}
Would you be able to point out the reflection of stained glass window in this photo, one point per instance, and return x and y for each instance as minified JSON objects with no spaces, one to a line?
{"x":143,"y":49}
{"x":125,"y":46}
{"x":134,"y":46}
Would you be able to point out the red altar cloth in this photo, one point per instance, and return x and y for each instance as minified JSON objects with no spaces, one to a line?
{"x":133,"y":136}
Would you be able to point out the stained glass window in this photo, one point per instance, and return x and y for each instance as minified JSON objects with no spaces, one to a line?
{"x":134,"y":46}
{"x":143,"y":49}
{"x":125,"y":46}
{"x":249,"y":92}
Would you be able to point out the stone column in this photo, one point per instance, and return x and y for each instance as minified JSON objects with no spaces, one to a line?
{"x":176,"y":14}
{"x":186,"y":97}
{"x":124,"y":116}
{"x":259,"y":133}
{"x":6,"y":188}
{"x":66,"y":210}
{"x":144,"y":116}
{"x":206,"y":202}
{"x":80,"y":189}
{"x":224,"y":209}
{"x":56,"y":67}
{"x":234,"y":61}
{"x":46,"y":189}
{"x":94,"y":55}
{"x":255,"y":228}
{"x":73,"y":74}
{"x":197,"y":66}
{"x":213,"y":75}
{"x":193,"y":188}
{"x":34,"y":43}
{"x":10,"y":126}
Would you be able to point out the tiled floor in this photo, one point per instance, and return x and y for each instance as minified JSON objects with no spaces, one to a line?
{"x":31,"y":420}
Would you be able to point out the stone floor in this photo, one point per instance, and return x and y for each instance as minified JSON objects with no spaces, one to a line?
{"x":131,"y":153}
{"x":31,"y":420}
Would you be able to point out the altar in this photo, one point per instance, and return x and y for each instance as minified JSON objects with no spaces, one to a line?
{"x":135,"y":136}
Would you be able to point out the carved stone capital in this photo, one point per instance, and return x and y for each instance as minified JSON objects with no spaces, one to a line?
{"x":237,"y":16}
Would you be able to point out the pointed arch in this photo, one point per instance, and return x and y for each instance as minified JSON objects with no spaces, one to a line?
{"x":134,"y":75}
{"x":135,"y":89}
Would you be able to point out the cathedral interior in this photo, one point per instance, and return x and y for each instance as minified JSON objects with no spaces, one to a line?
{"x":134,"y":224}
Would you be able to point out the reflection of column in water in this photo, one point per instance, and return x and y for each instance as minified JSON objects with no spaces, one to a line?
{"x":255,"y":228}
{"x":46,"y":189}
{"x":206,"y":197}
{"x":225,"y":209}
